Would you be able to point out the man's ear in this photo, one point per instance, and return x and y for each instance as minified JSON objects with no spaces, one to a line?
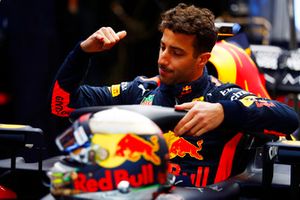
{"x":203,"y":58}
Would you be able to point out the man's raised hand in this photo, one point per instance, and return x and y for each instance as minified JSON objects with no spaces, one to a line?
{"x":103,"y":39}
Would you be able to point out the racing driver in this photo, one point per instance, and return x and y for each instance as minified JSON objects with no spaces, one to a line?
{"x":201,"y":152}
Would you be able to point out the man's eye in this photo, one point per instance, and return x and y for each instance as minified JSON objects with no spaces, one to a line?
{"x":177,"y":53}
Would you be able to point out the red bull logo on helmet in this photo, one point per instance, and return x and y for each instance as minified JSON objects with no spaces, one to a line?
{"x":110,"y":179}
{"x":134,"y":147}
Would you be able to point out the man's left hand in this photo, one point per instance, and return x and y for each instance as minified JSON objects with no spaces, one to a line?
{"x":200,"y":118}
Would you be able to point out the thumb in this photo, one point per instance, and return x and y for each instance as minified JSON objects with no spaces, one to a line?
{"x":121,"y":34}
{"x":184,"y":106}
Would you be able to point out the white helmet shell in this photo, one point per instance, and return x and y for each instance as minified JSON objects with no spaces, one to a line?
{"x":115,"y":121}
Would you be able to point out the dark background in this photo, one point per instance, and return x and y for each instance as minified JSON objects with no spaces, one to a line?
{"x":36,"y":36}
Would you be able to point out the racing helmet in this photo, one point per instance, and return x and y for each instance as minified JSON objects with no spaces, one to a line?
{"x":231,"y":64}
{"x":111,"y":154}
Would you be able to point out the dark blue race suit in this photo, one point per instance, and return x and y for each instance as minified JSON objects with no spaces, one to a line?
{"x":210,"y":158}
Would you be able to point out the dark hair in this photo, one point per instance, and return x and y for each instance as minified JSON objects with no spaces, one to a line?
{"x":192,"y":21}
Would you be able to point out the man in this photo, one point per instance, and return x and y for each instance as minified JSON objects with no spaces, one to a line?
{"x":217,"y":113}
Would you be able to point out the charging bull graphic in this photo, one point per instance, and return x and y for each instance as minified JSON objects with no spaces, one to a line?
{"x":182,"y":147}
{"x":178,"y":146}
{"x":133,"y":147}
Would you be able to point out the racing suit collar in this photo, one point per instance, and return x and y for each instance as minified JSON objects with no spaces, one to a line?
{"x":185,"y":91}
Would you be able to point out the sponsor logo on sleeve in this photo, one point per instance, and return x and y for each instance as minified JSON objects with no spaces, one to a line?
{"x":238,"y":95}
{"x":262,"y":103}
{"x":124,"y":86}
{"x":147,"y":100}
{"x":60,"y":101}
{"x":142,"y":87}
{"x":199,"y":99}
{"x":234,"y":96}
{"x":115,"y":90}
{"x":248,"y":100}
{"x":226,"y":91}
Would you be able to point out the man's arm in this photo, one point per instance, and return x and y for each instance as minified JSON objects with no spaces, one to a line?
{"x":247,"y":113}
{"x":69,"y":76}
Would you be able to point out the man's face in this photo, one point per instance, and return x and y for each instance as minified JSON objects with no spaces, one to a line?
{"x":176,"y":63}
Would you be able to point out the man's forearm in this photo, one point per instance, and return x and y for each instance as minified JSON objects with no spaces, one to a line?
{"x":67,"y":81}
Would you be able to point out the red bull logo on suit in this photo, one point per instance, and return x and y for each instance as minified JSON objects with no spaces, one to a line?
{"x":178,"y":146}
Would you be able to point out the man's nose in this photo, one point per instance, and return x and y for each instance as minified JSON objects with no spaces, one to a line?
{"x":163,"y":58}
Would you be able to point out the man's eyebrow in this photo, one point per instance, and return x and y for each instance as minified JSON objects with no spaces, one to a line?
{"x":172,"y":47}
{"x":177,"y":48}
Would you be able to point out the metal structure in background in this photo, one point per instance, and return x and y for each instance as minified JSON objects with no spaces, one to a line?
{"x":293,"y":44}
